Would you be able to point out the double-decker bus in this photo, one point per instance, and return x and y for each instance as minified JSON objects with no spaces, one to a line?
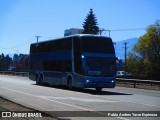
{"x":84,"y":61}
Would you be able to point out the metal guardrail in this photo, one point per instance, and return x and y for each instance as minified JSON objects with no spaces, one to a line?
{"x":14,"y":73}
{"x":119,"y":80}
{"x":136,"y":81}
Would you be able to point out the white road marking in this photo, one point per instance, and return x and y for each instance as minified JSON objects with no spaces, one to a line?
{"x":77,"y":99}
{"x":47,"y":99}
{"x":123,"y":118}
{"x":120,"y":100}
{"x":60,"y":102}
{"x":57,"y":98}
{"x":90,"y":100}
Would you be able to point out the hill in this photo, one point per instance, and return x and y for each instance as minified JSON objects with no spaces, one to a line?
{"x":119,"y":47}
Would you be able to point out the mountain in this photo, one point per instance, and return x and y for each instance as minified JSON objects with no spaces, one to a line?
{"x":119,"y":47}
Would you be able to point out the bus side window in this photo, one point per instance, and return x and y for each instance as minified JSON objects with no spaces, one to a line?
{"x":77,"y":55}
{"x":66,"y":66}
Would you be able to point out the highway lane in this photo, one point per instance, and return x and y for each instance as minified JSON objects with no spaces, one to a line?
{"x":25,"y":92}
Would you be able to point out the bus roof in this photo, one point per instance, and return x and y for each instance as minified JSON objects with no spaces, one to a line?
{"x":75,"y":35}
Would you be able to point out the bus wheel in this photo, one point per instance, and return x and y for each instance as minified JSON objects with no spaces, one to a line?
{"x":69,"y":83}
{"x":37,"y":80}
{"x":98,"y":89}
{"x":41,"y":80}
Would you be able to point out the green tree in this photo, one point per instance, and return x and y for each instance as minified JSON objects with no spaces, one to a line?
{"x":135,"y":65}
{"x":2,"y":55}
{"x":147,"y":52}
{"x":90,"y":24}
{"x":7,"y":56}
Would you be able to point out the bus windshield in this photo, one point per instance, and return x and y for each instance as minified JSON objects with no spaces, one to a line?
{"x":97,"y":45}
{"x":99,"y":67}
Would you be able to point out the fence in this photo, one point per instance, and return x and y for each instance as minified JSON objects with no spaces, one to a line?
{"x":14,"y":73}
{"x":136,"y":82}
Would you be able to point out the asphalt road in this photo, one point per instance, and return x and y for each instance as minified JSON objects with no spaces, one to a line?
{"x":49,"y":98}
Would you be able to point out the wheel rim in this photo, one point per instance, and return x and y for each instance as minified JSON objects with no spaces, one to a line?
{"x":37,"y":81}
{"x":41,"y":80}
{"x":69,"y":83}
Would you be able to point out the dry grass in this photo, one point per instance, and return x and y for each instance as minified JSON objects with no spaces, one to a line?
{"x":8,"y":106}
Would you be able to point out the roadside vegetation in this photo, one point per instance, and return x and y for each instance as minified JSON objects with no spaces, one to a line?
{"x":144,"y":59}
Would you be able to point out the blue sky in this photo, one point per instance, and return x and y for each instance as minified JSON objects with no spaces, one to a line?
{"x":22,"y":20}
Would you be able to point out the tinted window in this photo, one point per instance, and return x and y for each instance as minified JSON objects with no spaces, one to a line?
{"x":57,"y":65}
{"x":43,"y":47}
{"x":33,"y":48}
{"x":97,"y":45}
{"x":77,"y":55}
{"x":52,"y":46}
{"x":60,"y":45}
{"x":99,"y":66}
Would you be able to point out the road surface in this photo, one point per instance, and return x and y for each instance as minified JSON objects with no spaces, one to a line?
{"x":49,"y":98}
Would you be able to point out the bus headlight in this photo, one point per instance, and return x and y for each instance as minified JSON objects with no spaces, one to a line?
{"x":112,"y":81}
{"x":82,"y":56}
{"x":87,"y":81}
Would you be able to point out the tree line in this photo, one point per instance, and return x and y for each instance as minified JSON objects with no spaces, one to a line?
{"x":19,"y":62}
{"x":144,"y":59}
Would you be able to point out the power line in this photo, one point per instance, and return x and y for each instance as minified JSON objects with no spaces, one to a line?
{"x":132,"y":29}
{"x":109,"y":31}
{"x":17,"y":46}
{"x":101,"y":30}
{"x":27,"y":42}
{"x":51,"y":37}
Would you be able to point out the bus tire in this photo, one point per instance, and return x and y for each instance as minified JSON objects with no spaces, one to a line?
{"x":69,"y":82}
{"x":41,"y":80}
{"x":37,"y":80}
{"x":99,"y":89}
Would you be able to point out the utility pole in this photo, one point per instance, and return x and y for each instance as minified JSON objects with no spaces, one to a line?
{"x":37,"y":37}
{"x":101,"y":30}
{"x":125,"y":55}
{"x":109,"y":32}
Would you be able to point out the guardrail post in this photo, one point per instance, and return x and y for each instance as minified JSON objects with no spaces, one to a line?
{"x":134,"y":84}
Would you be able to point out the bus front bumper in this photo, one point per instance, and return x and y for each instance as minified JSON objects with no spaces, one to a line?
{"x":99,"y":83}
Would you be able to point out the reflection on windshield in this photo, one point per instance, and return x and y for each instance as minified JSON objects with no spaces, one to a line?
{"x":99,"y":66}
{"x":99,"y":45}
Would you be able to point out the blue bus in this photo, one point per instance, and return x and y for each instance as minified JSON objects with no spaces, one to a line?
{"x":82,"y":60}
